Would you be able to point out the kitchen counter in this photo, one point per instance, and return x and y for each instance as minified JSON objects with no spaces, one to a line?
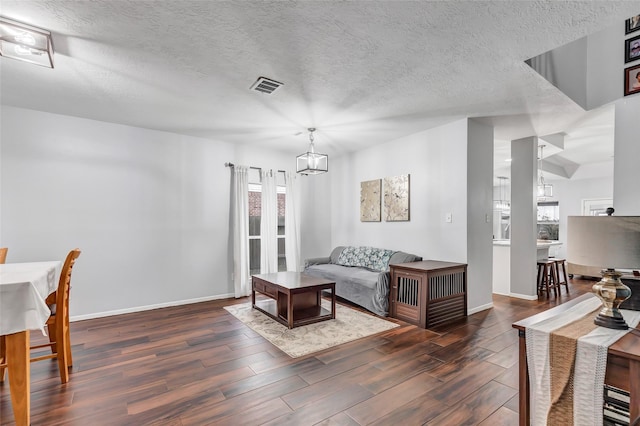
{"x":502,"y":262}
{"x":543,"y":246}
{"x":539,"y":244}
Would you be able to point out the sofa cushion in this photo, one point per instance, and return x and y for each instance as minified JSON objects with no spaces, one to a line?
{"x":365,"y":257}
{"x":341,"y":275}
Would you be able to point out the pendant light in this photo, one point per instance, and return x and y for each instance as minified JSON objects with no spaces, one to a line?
{"x":544,"y":189}
{"x":312,"y":163}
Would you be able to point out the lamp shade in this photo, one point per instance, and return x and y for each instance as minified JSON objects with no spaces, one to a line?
{"x":604,"y":241}
{"x":25,"y":43}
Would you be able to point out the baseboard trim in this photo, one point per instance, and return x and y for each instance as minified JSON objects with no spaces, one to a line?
{"x":480,"y":308}
{"x":149,"y":307}
{"x":523,"y":296}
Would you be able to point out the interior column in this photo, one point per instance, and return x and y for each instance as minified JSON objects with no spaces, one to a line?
{"x":524,"y":176}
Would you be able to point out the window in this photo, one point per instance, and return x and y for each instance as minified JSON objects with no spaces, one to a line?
{"x":596,"y":206}
{"x":548,"y":211}
{"x":548,"y":220}
{"x":255,"y":213}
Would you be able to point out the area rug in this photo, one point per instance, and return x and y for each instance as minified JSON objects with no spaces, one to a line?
{"x":348,"y":325}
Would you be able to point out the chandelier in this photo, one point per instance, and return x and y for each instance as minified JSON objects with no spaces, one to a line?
{"x":312,"y":163}
{"x":544,"y":189}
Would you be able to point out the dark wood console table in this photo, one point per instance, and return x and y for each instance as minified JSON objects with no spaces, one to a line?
{"x":428,"y":293}
{"x":623,"y":363}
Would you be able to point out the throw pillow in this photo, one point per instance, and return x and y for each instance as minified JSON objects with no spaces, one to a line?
{"x":365,"y":257}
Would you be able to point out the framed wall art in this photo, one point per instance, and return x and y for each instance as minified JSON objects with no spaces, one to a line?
{"x":370,"y":195}
{"x":632,"y":80}
{"x":632,"y":24}
{"x":396,"y":198}
{"x":632,"y":49}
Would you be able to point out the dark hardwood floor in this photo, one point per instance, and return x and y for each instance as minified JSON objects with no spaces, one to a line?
{"x":199,"y":365}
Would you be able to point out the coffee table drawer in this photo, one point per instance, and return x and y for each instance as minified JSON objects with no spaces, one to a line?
{"x":265,"y":288}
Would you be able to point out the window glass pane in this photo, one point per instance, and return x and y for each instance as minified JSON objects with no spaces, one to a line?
{"x":255,"y":200}
{"x":254,"y":176}
{"x":282,"y":261}
{"x":281,"y":207}
{"x":255,"y":212}
{"x":254,"y":256}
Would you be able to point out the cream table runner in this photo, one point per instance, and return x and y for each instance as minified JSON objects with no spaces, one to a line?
{"x":574,"y":381}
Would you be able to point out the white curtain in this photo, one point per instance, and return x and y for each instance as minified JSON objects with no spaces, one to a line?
{"x":240,"y":217}
{"x":292,"y":222}
{"x":269,"y":224}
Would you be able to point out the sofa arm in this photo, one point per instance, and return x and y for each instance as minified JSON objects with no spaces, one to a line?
{"x":316,"y":261}
{"x":381,"y":296}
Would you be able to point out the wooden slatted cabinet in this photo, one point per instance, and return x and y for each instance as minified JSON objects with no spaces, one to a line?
{"x":428,"y":293}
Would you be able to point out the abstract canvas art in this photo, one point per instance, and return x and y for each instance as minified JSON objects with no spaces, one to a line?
{"x":370,"y":195}
{"x":396,"y":198}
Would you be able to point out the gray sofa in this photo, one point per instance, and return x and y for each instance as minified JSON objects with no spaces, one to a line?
{"x":361,"y":274}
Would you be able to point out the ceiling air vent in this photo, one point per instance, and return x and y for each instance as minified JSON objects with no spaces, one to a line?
{"x":266,"y":85}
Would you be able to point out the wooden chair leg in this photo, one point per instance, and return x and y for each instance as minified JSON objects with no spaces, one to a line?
{"x":63,"y":364}
{"x":3,"y":358}
{"x":51,"y":332}
{"x":68,"y":347}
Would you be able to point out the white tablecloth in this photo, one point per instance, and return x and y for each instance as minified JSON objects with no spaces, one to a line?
{"x":23,"y":289}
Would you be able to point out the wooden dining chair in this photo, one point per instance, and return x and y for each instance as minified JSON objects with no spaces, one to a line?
{"x":58,"y":322}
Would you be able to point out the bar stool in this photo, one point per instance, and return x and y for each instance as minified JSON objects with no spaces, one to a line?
{"x":560,"y":264}
{"x":547,"y":274}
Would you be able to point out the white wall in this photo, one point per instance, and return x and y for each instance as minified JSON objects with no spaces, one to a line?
{"x":588,"y":70}
{"x":605,"y":64}
{"x":436,"y":162}
{"x":566,"y":68}
{"x":148,"y":209}
{"x":316,"y":208}
{"x":626,"y":192}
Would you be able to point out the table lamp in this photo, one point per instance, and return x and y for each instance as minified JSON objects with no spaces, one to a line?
{"x":606,"y":242}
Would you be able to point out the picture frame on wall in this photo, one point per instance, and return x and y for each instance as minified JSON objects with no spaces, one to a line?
{"x":632,"y":49}
{"x":632,"y":80}
{"x":632,"y":24}
{"x":396,"y":198}
{"x":370,"y":196}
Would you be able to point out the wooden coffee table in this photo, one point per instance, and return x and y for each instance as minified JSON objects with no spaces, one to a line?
{"x":294,"y":298}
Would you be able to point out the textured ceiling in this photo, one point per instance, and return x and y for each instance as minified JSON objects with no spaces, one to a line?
{"x":361,"y":72}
